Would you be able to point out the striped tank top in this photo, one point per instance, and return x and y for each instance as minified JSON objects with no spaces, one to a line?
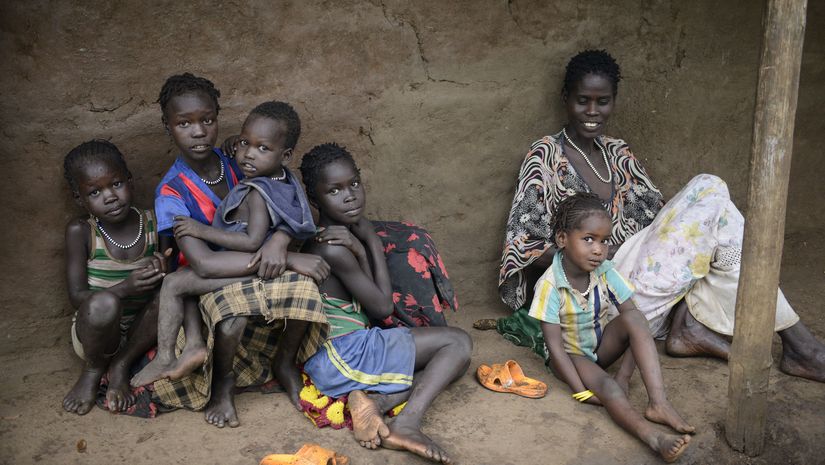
{"x":344,"y":317}
{"x":104,"y":271}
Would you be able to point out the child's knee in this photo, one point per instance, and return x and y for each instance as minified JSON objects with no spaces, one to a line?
{"x":231,"y":328}
{"x":176,"y":283}
{"x":462,"y":342}
{"x":634,"y":318}
{"x":608,"y":389}
{"x":103,"y":309}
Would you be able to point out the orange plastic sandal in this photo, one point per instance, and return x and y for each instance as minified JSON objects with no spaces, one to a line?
{"x":509,"y":377}
{"x":309,"y":454}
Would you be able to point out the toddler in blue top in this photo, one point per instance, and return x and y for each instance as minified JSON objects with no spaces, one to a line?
{"x":572,"y":300}
{"x":268,"y":199}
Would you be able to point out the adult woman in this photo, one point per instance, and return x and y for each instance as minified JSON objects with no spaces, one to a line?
{"x":683,"y":257}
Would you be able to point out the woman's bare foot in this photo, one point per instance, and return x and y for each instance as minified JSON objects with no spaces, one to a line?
{"x":119,"y":395}
{"x":81,"y":398}
{"x":665,"y":414}
{"x":689,"y":338}
{"x":220,"y":411}
{"x":802,"y":354}
{"x":367,"y":421}
{"x":410,"y":438}
{"x":670,"y":446}
{"x":289,"y":377}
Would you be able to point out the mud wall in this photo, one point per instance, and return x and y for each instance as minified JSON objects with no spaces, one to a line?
{"x":437,"y":100}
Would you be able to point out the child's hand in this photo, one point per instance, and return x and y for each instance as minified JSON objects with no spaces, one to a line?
{"x":309,"y":265}
{"x":272,"y":257}
{"x":142,"y":280}
{"x":230,"y":145}
{"x":363,"y":229}
{"x":337,"y":235}
{"x":186,"y":226}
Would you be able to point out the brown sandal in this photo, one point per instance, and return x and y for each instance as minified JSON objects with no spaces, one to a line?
{"x":485,"y":324}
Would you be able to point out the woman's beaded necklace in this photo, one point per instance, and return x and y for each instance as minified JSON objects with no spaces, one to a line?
{"x":220,"y":176}
{"x":118,"y":244}
{"x":604,"y":155}
{"x":584,"y":294}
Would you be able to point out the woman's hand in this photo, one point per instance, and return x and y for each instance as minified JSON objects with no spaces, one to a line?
{"x":186,"y":226}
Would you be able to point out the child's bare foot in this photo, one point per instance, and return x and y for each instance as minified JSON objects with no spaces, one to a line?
{"x":367,"y":422}
{"x":220,"y":411}
{"x":287,"y":374}
{"x":403,"y":437}
{"x":81,"y":398}
{"x":119,"y":395}
{"x":158,"y":368}
{"x":665,"y":414}
{"x":190,"y":359}
{"x":670,"y":446}
{"x":161,"y":367}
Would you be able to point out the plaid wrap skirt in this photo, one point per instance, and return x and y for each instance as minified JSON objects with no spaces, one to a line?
{"x":269,"y":304}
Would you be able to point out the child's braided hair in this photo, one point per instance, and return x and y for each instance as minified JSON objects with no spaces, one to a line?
{"x":280,"y":111}
{"x":317,"y":158}
{"x":591,"y":62}
{"x":95,"y":150}
{"x":571,"y":211}
{"x":180,"y":84}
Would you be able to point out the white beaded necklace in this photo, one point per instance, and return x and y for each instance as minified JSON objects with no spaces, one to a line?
{"x":281,"y":177}
{"x":584,"y":294}
{"x":118,"y":244}
{"x":220,"y":177}
{"x":604,"y":155}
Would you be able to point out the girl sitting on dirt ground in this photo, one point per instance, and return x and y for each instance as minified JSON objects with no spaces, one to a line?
{"x":378,"y":368}
{"x":113,"y":273}
{"x":571,"y":301}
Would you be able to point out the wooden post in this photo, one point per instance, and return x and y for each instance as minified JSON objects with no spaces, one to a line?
{"x":773,"y":125}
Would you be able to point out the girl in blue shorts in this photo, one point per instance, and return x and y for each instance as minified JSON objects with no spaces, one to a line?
{"x":378,"y":368}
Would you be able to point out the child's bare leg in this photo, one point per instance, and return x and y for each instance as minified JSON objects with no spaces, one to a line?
{"x":98,"y":328}
{"x":142,"y":337}
{"x":220,"y":410}
{"x":630,"y":328}
{"x":626,"y":370}
{"x":669,"y":446}
{"x":178,"y":308}
{"x":283,"y":365}
{"x":441,"y":356}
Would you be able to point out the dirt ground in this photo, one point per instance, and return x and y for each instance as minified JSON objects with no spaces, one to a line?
{"x":476,"y":425}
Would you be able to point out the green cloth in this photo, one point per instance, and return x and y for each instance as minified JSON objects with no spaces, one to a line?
{"x":523,"y":330}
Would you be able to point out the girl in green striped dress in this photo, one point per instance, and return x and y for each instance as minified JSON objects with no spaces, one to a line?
{"x":113,"y":271}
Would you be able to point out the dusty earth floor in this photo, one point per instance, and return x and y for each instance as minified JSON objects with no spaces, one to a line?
{"x":476,"y":425}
